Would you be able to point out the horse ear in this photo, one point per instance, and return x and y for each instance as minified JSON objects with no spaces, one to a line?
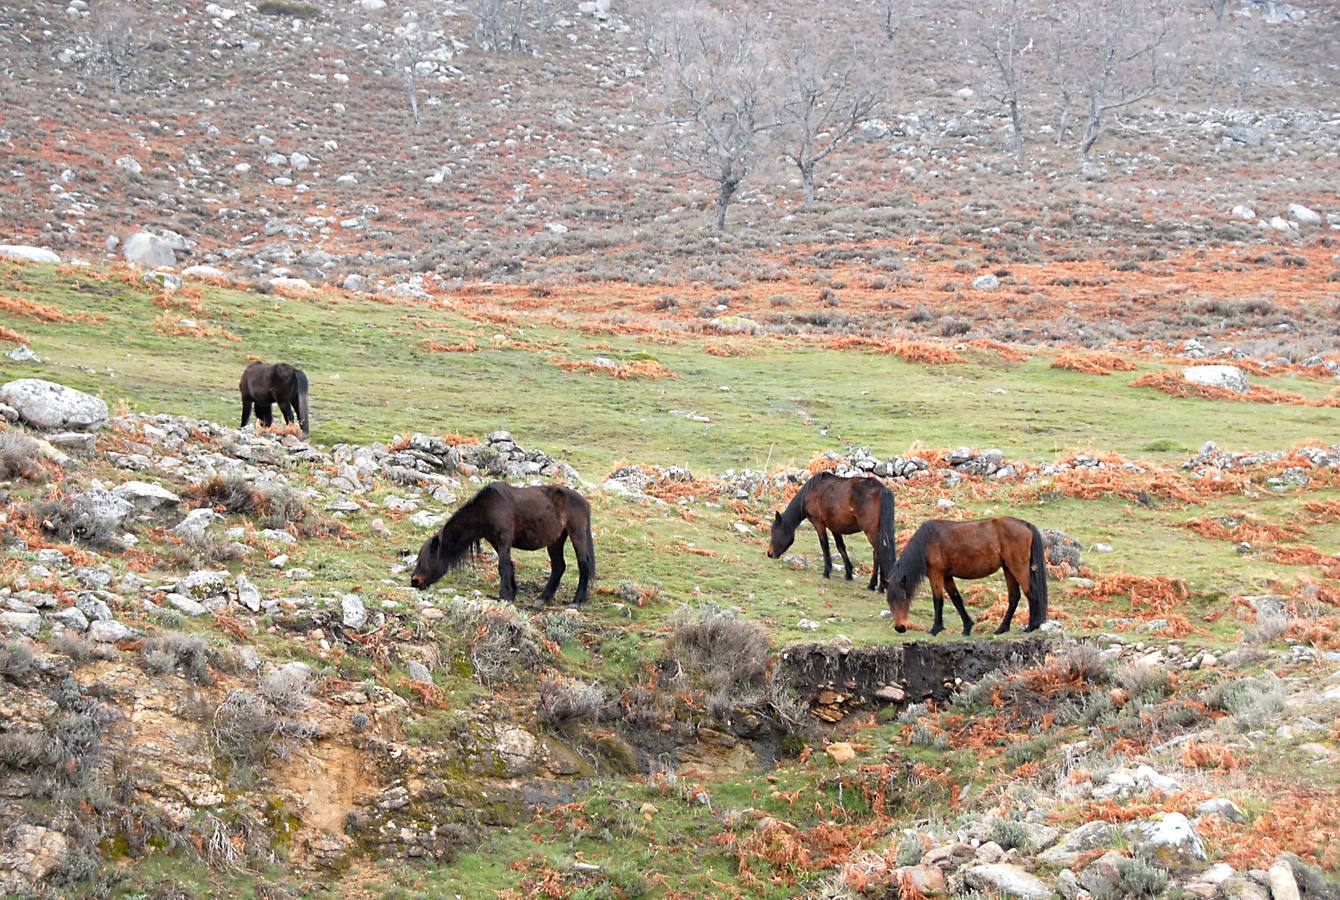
{"x":777,"y":517}
{"x":434,"y":542}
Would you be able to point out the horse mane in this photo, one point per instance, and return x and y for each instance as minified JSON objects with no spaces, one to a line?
{"x":911,"y":564}
{"x":460,"y":536}
{"x":795,"y":510}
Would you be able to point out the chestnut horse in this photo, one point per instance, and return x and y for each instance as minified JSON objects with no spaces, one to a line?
{"x":842,"y":506}
{"x":524,"y":518}
{"x":942,"y":550}
{"x":264,"y":385}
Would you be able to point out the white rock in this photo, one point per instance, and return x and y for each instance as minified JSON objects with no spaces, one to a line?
{"x":1245,"y":213}
{"x":28,"y":254}
{"x":353,"y":613}
{"x":72,"y":618}
{"x":203,"y":584}
{"x":109,"y":632}
{"x":1005,"y":880}
{"x":372,"y":5}
{"x":1302,"y":215}
{"x":129,"y":164}
{"x":1283,"y":886}
{"x":23,"y":353}
{"x":53,"y":407}
{"x":299,"y":161}
{"x":299,"y":285}
{"x":987,"y":282}
{"x":196,"y":521}
{"x":22,"y":622}
{"x":425,"y":519}
{"x":144,"y":495}
{"x":1227,"y":377}
{"x":248,"y":594}
{"x":201,"y":271}
{"x":148,"y":250}
{"x":185,"y":604}
{"x":100,"y":509}
{"x":1168,"y":839}
{"x":1087,"y":837}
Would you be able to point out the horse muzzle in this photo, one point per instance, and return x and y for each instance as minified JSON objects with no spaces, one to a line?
{"x":901,"y":629}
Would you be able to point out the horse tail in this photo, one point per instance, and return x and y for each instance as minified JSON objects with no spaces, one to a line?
{"x":888,"y":546}
{"x":589,"y":550}
{"x":300,"y":386}
{"x":1037,"y":580}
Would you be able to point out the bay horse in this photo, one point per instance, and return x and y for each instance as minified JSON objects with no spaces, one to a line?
{"x":524,"y":518}
{"x":942,"y":550}
{"x":842,"y":506}
{"x":263,"y":385}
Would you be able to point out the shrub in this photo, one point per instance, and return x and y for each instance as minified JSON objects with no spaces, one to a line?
{"x":563,"y":701}
{"x":288,"y":8}
{"x":19,"y":457}
{"x":1136,"y":877}
{"x":201,"y":549}
{"x":1253,"y":702}
{"x":1009,"y":834}
{"x":910,"y":850}
{"x":498,"y":639}
{"x":718,"y":644}
{"x":1270,"y":624}
{"x":252,"y":726}
{"x":186,"y":653}
{"x":79,"y":650}
{"x":1144,"y":682}
{"x":58,"y":518}
{"x":16,"y":660}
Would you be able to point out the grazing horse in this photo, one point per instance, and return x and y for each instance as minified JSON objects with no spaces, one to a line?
{"x":263,"y":385}
{"x":842,"y":506}
{"x":525,"y":518}
{"x":942,"y":550}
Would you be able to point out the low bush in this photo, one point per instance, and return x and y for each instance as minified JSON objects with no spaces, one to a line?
{"x":719,"y":645}
{"x":564,"y":701}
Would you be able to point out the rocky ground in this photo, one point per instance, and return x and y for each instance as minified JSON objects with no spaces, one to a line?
{"x":181,"y":678}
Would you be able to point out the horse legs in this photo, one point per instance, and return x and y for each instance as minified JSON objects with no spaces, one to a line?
{"x":842,"y":548}
{"x":938,"y":596}
{"x":828,"y":554}
{"x":557,"y":565}
{"x":1012,"y":584}
{"x":506,"y":573}
{"x":246,"y":411}
{"x":583,"y":547}
{"x":265,"y":413}
{"x":877,"y":574}
{"x":958,"y":604}
{"x":287,"y":411}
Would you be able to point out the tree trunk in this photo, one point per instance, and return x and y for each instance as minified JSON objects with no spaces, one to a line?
{"x":1094,"y":126}
{"x":723,"y":200}
{"x":1017,"y":125}
{"x":807,"y":179}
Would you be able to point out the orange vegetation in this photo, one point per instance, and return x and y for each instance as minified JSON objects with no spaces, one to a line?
{"x":1093,"y":363}
{"x":1300,"y":821}
{"x":12,"y":336}
{"x":1209,"y":756}
{"x":1155,"y":595}
{"x":640,"y":368}
{"x":1172,"y":382}
{"x":30,"y":309}
{"x":928,"y":352}
{"x":466,"y":346}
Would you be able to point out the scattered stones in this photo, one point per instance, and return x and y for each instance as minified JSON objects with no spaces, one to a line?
{"x":1223,"y":808}
{"x":28,"y":254}
{"x":840,"y":752}
{"x":248,"y":594}
{"x":1078,"y":843}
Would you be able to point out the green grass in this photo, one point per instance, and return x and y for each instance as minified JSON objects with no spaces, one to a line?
{"x":372,"y":379}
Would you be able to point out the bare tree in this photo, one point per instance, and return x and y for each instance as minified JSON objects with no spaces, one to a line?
{"x":1001,"y":37}
{"x":715,"y":88}
{"x":891,"y":15}
{"x":511,"y":26}
{"x":1106,"y":55}
{"x":823,"y":102}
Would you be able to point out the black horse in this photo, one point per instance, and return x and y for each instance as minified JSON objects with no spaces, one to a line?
{"x":263,"y":385}
{"x":525,"y":518}
{"x":842,"y":506}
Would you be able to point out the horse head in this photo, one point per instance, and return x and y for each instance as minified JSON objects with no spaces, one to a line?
{"x":782,"y":537}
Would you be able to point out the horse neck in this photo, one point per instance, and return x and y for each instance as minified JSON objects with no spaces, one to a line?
{"x":911,"y":562}
{"x":795,"y":510}
{"x":467,"y":526}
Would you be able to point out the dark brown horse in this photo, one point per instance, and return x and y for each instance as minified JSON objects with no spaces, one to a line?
{"x":942,"y":550}
{"x":842,"y":506}
{"x":524,"y":518}
{"x":264,"y":385}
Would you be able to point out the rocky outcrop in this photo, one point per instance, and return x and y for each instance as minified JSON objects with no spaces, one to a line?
{"x":53,"y":407}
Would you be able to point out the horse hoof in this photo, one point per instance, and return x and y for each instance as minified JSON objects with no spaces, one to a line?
{"x":967,"y":632}
{"x":935,"y":631}
{"x":1002,"y":630}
